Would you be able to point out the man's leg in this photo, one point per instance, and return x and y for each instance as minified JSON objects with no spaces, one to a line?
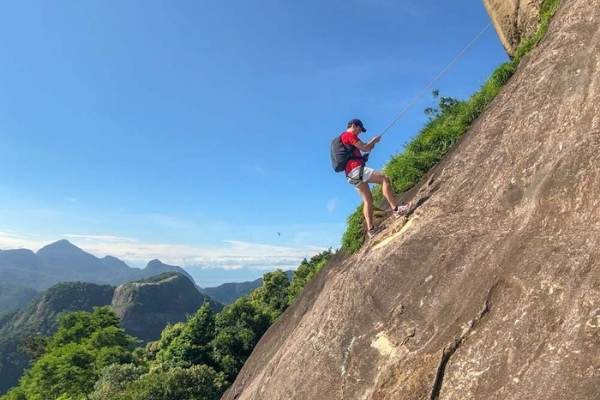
{"x":365,"y":193}
{"x":388,"y":192}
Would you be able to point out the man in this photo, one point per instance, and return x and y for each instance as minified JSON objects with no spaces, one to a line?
{"x":359,"y":175}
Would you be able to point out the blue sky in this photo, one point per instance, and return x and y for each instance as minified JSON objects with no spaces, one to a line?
{"x":195,"y":131}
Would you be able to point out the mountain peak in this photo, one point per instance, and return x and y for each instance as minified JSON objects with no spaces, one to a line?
{"x":156,"y":267}
{"x":156,"y":263}
{"x":62,"y":245}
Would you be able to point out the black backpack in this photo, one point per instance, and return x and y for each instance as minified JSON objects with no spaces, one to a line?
{"x":340,"y":154}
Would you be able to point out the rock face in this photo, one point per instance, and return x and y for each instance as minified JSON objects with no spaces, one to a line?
{"x":513,"y":19}
{"x":146,"y":306}
{"x":491,"y":290}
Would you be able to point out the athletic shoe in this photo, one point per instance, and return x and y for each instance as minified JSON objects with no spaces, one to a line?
{"x":374,"y":231}
{"x":401,"y":210}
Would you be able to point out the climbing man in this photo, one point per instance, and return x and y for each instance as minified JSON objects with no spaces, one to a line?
{"x":359,"y":175}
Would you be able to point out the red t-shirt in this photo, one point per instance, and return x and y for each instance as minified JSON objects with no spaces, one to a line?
{"x":349,"y":138}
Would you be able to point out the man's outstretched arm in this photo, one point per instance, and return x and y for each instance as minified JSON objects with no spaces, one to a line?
{"x":367,"y":147}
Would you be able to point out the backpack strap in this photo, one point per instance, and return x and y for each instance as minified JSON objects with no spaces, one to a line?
{"x":351,"y":148}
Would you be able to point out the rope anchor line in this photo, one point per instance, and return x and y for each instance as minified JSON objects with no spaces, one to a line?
{"x":439,"y":76}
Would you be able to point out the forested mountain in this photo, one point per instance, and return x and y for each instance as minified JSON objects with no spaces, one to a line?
{"x":19,"y":331}
{"x":144,"y":308}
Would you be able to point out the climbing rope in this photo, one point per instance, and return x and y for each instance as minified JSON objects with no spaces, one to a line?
{"x":439,"y":76}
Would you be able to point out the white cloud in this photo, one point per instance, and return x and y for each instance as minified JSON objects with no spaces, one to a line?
{"x":12,"y":240}
{"x":232,"y":254}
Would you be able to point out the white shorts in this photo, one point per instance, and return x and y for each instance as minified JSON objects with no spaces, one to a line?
{"x":353,"y":175}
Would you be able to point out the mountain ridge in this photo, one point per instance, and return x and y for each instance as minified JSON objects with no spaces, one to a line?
{"x":62,"y":261}
{"x":227,"y":293}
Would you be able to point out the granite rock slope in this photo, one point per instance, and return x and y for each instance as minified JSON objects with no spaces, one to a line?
{"x":491,"y":288}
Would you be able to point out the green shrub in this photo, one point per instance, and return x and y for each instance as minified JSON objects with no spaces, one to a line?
{"x":305,"y":272}
{"x":84,"y":343}
{"x":238,"y":328}
{"x":198,"y":382}
{"x":114,"y":379}
{"x":272,"y":296}
{"x":187,"y":344}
